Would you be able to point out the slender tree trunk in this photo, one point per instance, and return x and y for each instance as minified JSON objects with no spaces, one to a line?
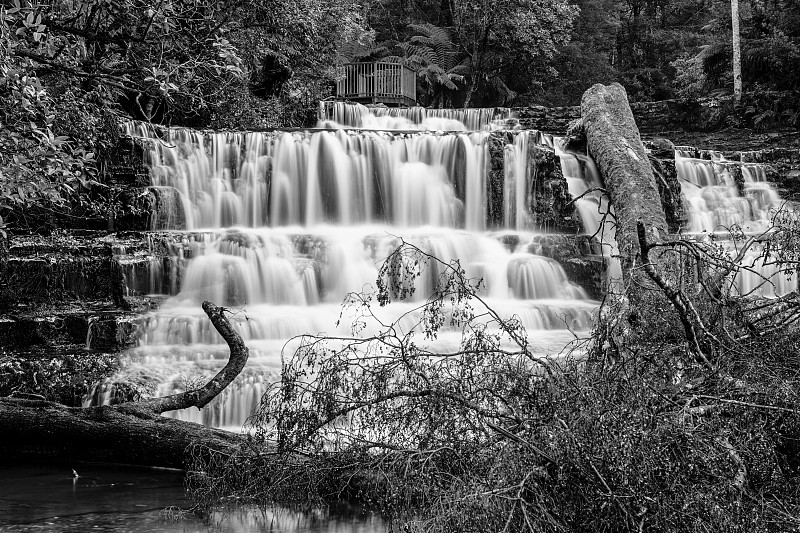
{"x":737,"y":53}
{"x":472,"y":86}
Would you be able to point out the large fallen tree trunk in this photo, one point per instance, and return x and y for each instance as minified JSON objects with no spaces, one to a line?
{"x":652,"y":275}
{"x":614,"y":143}
{"x":133,"y":432}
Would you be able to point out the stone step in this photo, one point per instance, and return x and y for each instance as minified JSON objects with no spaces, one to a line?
{"x":99,"y":328}
{"x":74,"y":267}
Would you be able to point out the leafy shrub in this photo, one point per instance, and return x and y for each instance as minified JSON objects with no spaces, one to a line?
{"x":62,"y":377}
{"x":769,"y":109}
{"x":46,"y":166}
{"x":690,"y":80}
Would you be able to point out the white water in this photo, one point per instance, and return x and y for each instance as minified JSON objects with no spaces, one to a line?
{"x":714,"y":200}
{"x":716,"y":206}
{"x":343,"y":114}
{"x":594,"y":209}
{"x":267,"y":179}
{"x":517,"y":189}
{"x":281,"y":227}
{"x":291,"y":281}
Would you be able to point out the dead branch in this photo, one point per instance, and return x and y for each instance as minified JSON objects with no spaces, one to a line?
{"x":678,"y":300}
{"x":201,"y":397}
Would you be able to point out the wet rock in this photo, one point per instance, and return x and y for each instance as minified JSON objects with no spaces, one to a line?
{"x":669,"y":188}
{"x":588,"y":273}
{"x":100,"y":329}
{"x":241,"y":239}
{"x":660,"y":148}
{"x":495,"y":178}
{"x":113,"y":332}
{"x":126,"y":165}
{"x":552,"y":206}
{"x":56,"y":277}
{"x":150,"y":208}
{"x":510,"y":241}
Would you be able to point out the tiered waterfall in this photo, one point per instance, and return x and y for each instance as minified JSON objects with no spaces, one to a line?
{"x":280,"y":227}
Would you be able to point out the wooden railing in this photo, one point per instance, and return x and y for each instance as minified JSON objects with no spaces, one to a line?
{"x":378,"y":82}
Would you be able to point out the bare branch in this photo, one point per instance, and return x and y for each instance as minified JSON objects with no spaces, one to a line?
{"x":679,"y":300}
{"x":201,"y":397}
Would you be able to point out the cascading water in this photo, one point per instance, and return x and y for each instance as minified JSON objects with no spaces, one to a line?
{"x":714,"y":197}
{"x":413,"y":118}
{"x":594,"y":209}
{"x":516,"y":186}
{"x":337,"y":177}
{"x":719,"y":203}
{"x":281,"y":227}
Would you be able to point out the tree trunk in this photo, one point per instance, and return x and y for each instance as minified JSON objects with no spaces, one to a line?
{"x":737,"y":54}
{"x":133,"y":432}
{"x":117,"y":434}
{"x":472,"y":86}
{"x":614,"y":143}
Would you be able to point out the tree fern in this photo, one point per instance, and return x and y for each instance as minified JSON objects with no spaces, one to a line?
{"x":360,"y":50}
{"x":433,"y":54}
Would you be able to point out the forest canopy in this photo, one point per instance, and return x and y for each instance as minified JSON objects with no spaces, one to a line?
{"x":68,"y":68}
{"x":517,"y":52}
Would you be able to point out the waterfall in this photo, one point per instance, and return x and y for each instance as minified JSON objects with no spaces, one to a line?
{"x":516,"y":183}
{"x":262,"y":179}
{"x":281,"y":227}
{"x":718,"y":204}
{"x":414,"y":118}
{"x":593,"y":206}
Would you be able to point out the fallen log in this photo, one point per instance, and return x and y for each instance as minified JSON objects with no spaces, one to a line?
{"x":131,"y":432}
{"x":614,"y":143}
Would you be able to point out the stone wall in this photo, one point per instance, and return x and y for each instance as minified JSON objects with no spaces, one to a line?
{"x":550,"y":119}
{"x":782,"y":165}
{"x":62,"y":267}
{"x":651,"y":117}
{"x":68,"y":290}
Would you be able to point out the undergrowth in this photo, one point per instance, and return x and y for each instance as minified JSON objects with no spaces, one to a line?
{"x":58,"y":377}
{"x":606,"y":437}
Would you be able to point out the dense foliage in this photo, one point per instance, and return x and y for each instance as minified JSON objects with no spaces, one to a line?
{"x":68,"y":70}
{"x":61,"y":377}
{"x":479,"y":53}
{"x":517,"y":52}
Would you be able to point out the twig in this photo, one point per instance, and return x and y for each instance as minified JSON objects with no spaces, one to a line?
{"x":584,"y":193}
{"x":597,"y":473}
{"x":740,"y":481}
{"x":749,"y":404}
{"x":517,"y":438}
